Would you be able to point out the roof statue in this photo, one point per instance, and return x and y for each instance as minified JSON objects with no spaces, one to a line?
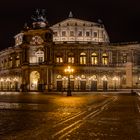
{"x":40,"y":15}
{"x":39,"y":19}
{"x":70,"y":15}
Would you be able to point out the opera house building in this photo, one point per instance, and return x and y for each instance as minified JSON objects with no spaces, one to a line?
{"x":43,"y":56}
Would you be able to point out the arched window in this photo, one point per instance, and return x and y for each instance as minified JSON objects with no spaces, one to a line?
{"x":94,"y":59}
{"x":17,"y":61}
{"x":71,"y":58}
{"x":59,"y":77}
{"x":59,"y":58}
{"x":83,"y":77}
{"x":83,"y":58}
{"x":40,"y":56}
{"x":36,"y":56}
{"x":71,"y":76}
{"x":104,"y":78}
{"x":94,"y":78}
{"x":104,"y":59}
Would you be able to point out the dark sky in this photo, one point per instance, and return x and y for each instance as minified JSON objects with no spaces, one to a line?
{"x":120,"y":17}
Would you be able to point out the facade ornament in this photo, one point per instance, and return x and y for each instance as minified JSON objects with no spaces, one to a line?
{"x":40,"y":16}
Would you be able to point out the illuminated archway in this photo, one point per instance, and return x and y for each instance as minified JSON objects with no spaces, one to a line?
{"x":34,"y":79}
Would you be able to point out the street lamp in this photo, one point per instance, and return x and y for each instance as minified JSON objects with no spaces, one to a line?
{"x":115,"y":79}
{"x":69,"y":71}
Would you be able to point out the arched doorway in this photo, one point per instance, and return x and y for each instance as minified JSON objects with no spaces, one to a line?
{"x":83,"y":83}
{"x":105,"y":83}
{"x":34,"y":79}
{"x":59,"y":83}
{"x":94,"y":83}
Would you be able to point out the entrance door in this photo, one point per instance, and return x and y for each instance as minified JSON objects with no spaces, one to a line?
{"x":34,"y":79}
{"x":93,"y":85}
{"x":59,"y":85}
{"x":83,"y":85}
{"x":104,"y":85}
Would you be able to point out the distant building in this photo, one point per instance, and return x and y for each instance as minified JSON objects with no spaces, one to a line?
{"x":41,"y":53}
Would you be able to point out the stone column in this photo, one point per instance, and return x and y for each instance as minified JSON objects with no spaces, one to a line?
{"x":129,"y":75}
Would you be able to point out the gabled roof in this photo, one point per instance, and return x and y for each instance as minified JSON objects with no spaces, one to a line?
{"x":75,"y":20}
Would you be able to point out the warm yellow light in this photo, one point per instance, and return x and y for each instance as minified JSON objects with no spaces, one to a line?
{"x":15,"y":79}
{"x":69,"y":70}
{"x":78,"y":78}
{"x":115,"y":78}
{"x":1,"y":79}
{"x":104,"y":78}
{"x":8,"y":80}
{"x":64,"y":78}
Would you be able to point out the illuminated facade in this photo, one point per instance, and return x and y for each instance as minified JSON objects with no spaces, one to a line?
{"x":41,"y":53}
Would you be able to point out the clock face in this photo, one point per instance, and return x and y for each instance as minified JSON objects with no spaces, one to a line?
{"x":36,"y":40}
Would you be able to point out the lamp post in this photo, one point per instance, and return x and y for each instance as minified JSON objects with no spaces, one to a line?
{"x":69,"y":71}
{"x":115,"y":79}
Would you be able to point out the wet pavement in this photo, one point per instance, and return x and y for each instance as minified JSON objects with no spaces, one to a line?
{"x":80,"y":117}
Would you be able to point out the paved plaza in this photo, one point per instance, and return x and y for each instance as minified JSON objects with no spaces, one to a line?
{"x":91,"y":116}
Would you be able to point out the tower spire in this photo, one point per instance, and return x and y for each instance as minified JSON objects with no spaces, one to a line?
{"x":70,"y":15}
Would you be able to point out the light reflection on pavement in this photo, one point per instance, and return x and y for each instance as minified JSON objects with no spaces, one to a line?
{"x":46,"y":117}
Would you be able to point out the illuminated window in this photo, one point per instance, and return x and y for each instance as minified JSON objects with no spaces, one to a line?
{"x":63,"y":33}
{"x":83,"y":58}
{"x":80,"y":33}
{"x":40,"y":56}
{"x":104,"y":59}
{"x":17,"y":61}
{"x":59,"y":59}
{"x":94,"y":59}
{"x":124,"y":58}
{"x":70,"y":58}
{"x":71,"y":33}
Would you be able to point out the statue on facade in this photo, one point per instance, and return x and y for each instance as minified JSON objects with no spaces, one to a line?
{"x":39,"y":18}
{"x":40,"y":15}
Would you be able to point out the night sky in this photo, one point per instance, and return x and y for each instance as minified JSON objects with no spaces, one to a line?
{"x":120,"y":17}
